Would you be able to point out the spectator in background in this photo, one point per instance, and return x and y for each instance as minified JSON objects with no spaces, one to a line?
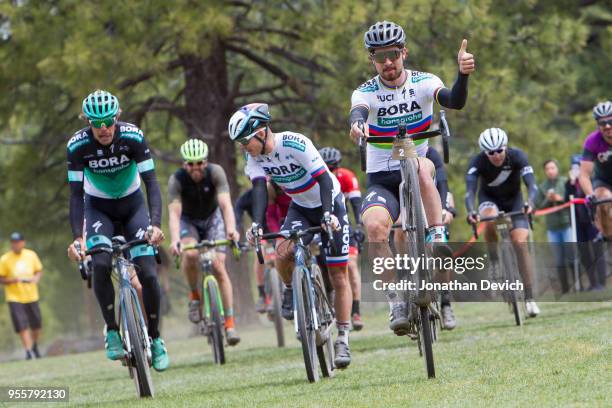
{"x":20,"y":272}
{"x":551,"y":193}
{"x":591,"y":254}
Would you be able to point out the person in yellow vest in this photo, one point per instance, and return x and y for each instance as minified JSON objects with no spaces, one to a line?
{"x":20,"y":272}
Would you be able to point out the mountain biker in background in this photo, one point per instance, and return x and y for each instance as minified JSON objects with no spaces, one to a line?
{"x":106,"y":162}
{"x":500,"y":169}
{"x":291,"y":160}
{"x":349,"y":185}
{"x":448,"y":214}
{"x":398,"y":94}
{"x":597,"y":163}
{"x":200,"y":208}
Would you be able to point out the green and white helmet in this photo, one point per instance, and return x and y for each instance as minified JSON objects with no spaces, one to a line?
{"x":247,"y":120}
{"x":194,"y":150}
{"x":100,"y":105}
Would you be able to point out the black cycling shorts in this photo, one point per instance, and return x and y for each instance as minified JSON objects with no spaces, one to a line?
{"x":130,"y":212}
{"x":515,"y":203}
{"x":383,"y":191}
{"x":299,"y":217}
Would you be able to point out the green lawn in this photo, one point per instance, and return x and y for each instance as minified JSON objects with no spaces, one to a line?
{"x":562,"y":358}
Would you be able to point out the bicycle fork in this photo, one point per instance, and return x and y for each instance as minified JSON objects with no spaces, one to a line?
{"x":314,"y":319}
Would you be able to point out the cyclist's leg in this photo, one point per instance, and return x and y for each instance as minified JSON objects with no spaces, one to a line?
{"x":336,"y":258}
{"x":99,"y":231}
{"x":603,"y":215}
{"x":260,"y":306}
{"x":355,"y":285}
{"x":489,"y":208}
{"x":284,"y":249}
{"x":190,"y":260}
{"x":379,"y":209}
{"x":143,"y":256}
{"x":519,"y":234}
{"x":214,"y":230}
{"x":429,"y":193}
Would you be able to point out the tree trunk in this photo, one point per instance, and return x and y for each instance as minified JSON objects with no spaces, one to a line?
{"x":207,"y":110}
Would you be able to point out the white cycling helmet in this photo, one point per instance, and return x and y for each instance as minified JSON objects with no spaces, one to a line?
{"x":245,"y":121}
{"x":492,"y":139}
{"x":602,"y":109}
{"x":384,"y":34}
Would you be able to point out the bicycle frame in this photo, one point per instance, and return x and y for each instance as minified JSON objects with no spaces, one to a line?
{"x":301,"y":254}
{"x":121,"y":269}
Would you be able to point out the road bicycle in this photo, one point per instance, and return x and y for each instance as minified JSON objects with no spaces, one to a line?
{"x":508,"y":263}
{"x":424,"y":312}
{"x":313,"y":313}
{"x":132,"y":323}
{"x":212,"y":324}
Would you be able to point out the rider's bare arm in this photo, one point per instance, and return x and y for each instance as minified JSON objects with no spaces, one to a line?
{"x":586,"y":170}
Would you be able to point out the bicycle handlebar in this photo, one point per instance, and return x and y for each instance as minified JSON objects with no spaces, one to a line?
{"x":287,"y":234}
{"x":501,"y":215}
{"x":235,"y":245}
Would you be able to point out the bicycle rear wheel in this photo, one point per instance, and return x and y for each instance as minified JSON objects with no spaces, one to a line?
{"x":136,"y":337}
{"x":305,"y":323}
{"x":274,"y":291}
{"x":216,"y":324}
{"x":426,"y":339}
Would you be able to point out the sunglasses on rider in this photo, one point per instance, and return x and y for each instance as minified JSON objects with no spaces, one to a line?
{"x":493,"y":152}
{"x":603,"y":123}
{"x":198,"y":163}
{"x":381,"y":56}
{"x":108,"y":122}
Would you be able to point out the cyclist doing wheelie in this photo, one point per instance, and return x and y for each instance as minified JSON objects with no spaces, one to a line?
{"x":349,"y":185}
{"x":106,"y":162}
{"x":292,"y":162}
{"x":201,"y":209}
{"x":500,"y":169}
{"x":596,"y":165}
{"x":398,"y":95}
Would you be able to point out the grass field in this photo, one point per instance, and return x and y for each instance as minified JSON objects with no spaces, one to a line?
{"x":562,"y":358}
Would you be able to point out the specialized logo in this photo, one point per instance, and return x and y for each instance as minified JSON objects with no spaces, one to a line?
{"x":110,"y":162}
{"x":96,"y":226}
{"x":140,"y":233}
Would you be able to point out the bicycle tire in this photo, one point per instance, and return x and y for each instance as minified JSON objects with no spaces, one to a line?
{"x":142,"y":377}
{"x":425,"y":335}
{"x":304,"y":322}
{"x":510,"y":268}
{"x":274,"y":291}
{"x":216,"y":324}
{"x":325,"y":351}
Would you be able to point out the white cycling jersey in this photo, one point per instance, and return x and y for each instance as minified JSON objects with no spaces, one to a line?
{"x":293,"y":165}
{"x":411,"y":102}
